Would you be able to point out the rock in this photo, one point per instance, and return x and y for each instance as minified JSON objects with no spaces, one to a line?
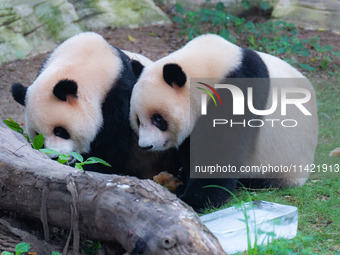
{"x":311,"y":14}
{"x":31,"y":27}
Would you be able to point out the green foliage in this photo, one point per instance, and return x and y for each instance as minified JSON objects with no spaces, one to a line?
{"x":16,"y":127}
{"x":91,"y":247}
{"x":274,"y":37}
{"x":20,"y":248}
{"x":64,"y":158}
{"x":38,"y":143}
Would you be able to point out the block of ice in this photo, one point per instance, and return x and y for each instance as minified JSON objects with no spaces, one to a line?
{"x":269,"y":220}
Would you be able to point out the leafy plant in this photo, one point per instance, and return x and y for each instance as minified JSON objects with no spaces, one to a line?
{"x":16,"y":127}
{"x":38,"y":143}
{"x":64,"y":158}
{"x":20,"y":248}
{"x":274,"y":37}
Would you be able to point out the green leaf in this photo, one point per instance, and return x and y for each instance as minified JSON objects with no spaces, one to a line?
{"x":238,"y":21}
{"x":336,"y":53}
{"x":50,"y":151}
{"x":264,"y":5}
{"x":22,"y":248}
{"x":177,"y":19}
{"x":324,"y":64}
{"x":79,"y":166}
{"x":281,"y":50}
{"x":245,"y":4}
{"x":56,"y":253}
{"x":225,"y":33}
{"x":13,"y":125}
{"x":7,"y":253}
{"x":306,"y":67}
{"x":77,"y":156}
{"x":63,"y":158}
{"x":179,"y":8}
{"x":93,"y":160}
{"x":38,"y":142}
{"x":220,"y":6}
{"x":252,"y":40}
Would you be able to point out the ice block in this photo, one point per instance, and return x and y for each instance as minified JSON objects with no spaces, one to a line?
{"x":269,"y":220}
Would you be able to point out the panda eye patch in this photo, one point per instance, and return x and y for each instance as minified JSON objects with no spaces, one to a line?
{"x":159,"y":122}
{"x":61,"y":132}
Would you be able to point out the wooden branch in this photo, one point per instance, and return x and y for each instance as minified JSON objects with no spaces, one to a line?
{"x":139,"y":214}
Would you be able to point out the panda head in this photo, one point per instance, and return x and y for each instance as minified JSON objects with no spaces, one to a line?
{"x":160,"y":106}
{"x":66,"y":123}
{"x":64,"y":102}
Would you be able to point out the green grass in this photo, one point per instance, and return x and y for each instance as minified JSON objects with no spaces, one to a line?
{"x":328,"y":95}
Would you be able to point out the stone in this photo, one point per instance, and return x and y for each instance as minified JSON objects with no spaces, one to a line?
{"x":30,"y":27}
{"x":310,"y":14}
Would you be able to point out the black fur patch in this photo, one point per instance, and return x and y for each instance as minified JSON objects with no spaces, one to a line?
{"x":252,"y":66}
{"x":173,"y":73}
{"x":64,"y":88}
{"x":19,"y":93}
{"x":112,"y":142}
{"x":137,"y":68}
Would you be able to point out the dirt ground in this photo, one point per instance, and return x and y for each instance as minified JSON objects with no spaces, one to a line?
{"x":153,"y":42}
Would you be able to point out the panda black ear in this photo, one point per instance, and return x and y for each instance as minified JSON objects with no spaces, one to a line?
{"x":19,"y":93}
{"x":137,"y":68}
{"x":173,"y":73}
{"x":64,"y":88}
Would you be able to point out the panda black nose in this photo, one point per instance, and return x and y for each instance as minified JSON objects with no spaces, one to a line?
{"x":147,"y":148}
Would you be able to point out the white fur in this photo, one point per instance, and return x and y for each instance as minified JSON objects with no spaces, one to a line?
{"x":210,"y":56}
{"x":90,"y":61}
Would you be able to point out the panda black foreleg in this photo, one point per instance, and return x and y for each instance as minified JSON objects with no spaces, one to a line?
{"x":197,"y":195}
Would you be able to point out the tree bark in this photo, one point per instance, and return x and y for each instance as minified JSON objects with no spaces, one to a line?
{"x":141,"y":215}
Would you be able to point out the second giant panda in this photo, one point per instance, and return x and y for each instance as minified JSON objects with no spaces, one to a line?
{"x":161,"y":110}
{"x":80,"y":102}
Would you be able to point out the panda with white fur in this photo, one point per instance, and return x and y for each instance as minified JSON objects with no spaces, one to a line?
{"x":161,"y":111}
{"x":80,"y":102}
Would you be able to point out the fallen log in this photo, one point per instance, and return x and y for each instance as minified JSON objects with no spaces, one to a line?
{"x":141,"y":215}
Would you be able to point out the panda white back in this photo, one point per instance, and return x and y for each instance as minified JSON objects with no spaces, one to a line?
{"x":162,"y":107}
{"x":293,"y":147}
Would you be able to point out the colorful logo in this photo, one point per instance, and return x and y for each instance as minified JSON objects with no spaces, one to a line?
{"x":209,"y":93}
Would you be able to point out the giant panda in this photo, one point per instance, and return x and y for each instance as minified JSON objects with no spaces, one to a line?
{"x":80,"y":102}
{"x":162,"y":107}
